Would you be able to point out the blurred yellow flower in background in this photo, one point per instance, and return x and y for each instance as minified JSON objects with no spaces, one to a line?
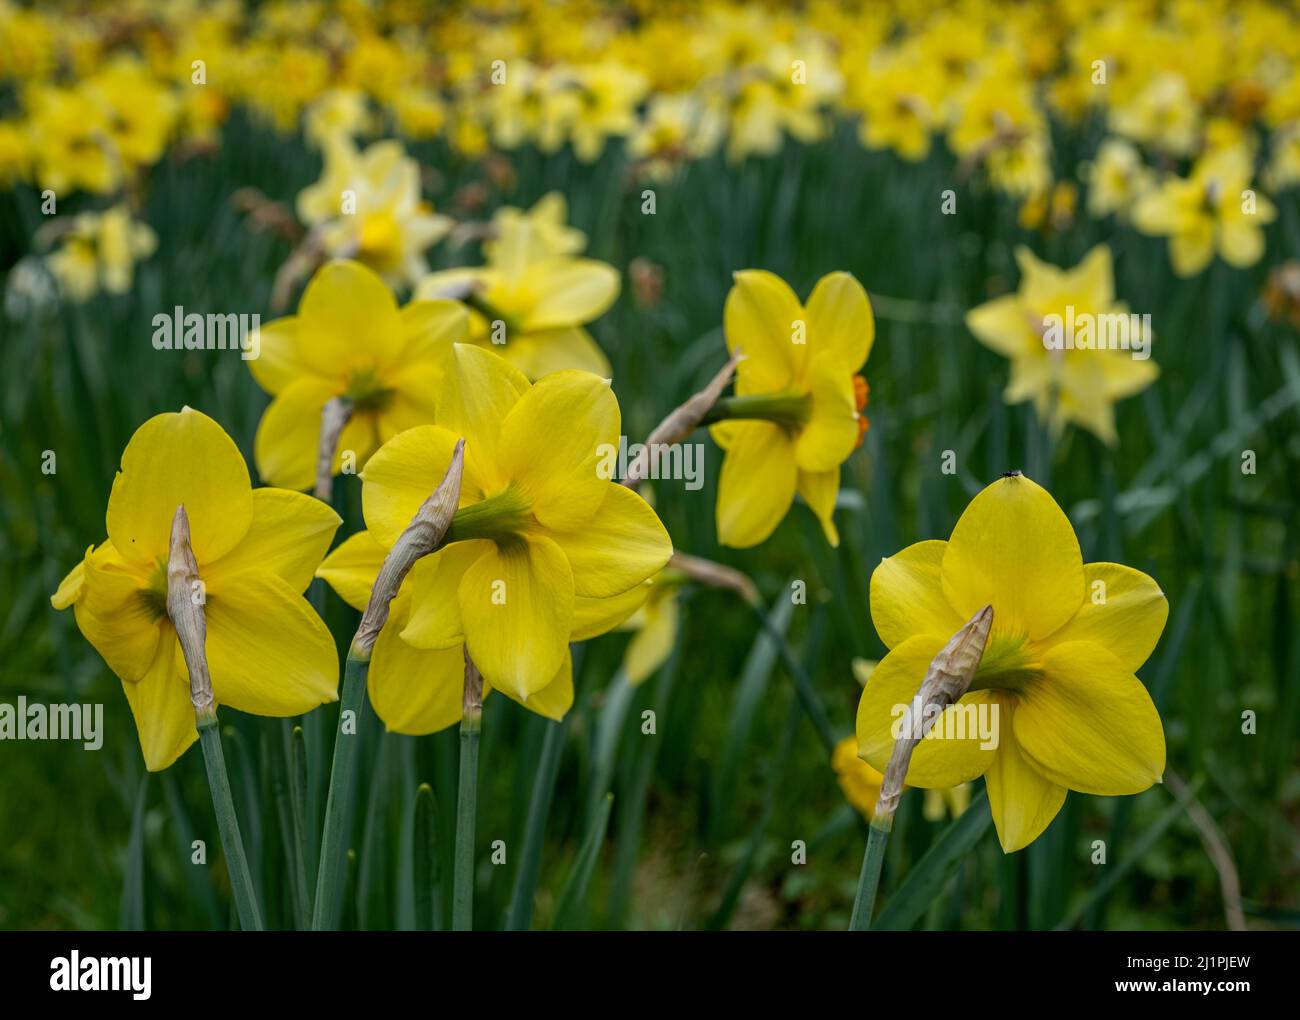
{"x":1215,"y":210}
{"x":367,"y":206}
{"x":99,"y":253}
{"x":1069,"y":384}
{"x":531,"y":303}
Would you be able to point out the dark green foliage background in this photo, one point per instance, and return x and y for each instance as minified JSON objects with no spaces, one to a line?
{"x":705,"y":811}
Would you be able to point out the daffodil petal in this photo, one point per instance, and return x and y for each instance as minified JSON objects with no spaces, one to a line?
{"x":1089,"y":724}
{"x":907,"y":595}
{"x":937,"y":760}
{"x":434,"y":621}
{"x":555,"y":699}
{"x":1002,"y":325}
{"x":277,"y":363}
{"x":819,"y":490}
{"x":1123,"y":610}
{"x":840,"y":321}
{"x":401,"y":475}
{"x":593,"y":617}
{"x":413,"y":400}
{"x":268,"y":651}
{"x":160,"y":703}
{"x":516,"y":604}
{"x":478,"y":391}
{"x":288,"y":436}
{"x":653,"y":643}
{"x":831,"y":432}
{"x":288,"y":537}
{"x":1022,"y":800}
{"x":554,"y":441}
{"x":573,"y":291}
{"x":413,"y":690}
{"x":174,"y":459}
{"x":620,"y":547}
{"x":761,"y":318}
{"x":347,"y":316}
{"x":540,"y":353}
{"x":351,"y":569}
{"x":71,"y":586}
{"x":116,"y":613}
{"x":429,"y":328}
{"x":1015,"y":549}
{"x":756,"y":485}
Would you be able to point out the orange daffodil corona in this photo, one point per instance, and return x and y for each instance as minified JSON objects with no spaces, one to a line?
{"x":543,"y":551}
{"x":268,"y":651}
{"x":349,"y":339}
{"x":799,"y":394}
{"x":1057,"y":679}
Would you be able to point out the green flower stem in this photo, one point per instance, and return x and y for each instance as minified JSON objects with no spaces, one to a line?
{"x":869,"y":880}
{"x":789,"y":409}
{"x":241,"y":879}
{"x":462,"y":907}
{"x":325,"y":911}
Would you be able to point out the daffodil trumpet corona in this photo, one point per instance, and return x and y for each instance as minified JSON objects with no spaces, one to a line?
{"x":421,"y":537}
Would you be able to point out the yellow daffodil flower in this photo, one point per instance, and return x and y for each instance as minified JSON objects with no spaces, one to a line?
{"x":1213,"y":210}
{"x":268,"y":651}
{"x":1054,"y":704}
{"x":417,"y":690}
{"x":899,"y":97}
{"x":798,"y":381}
{"x":70,"y":141}
{"x":367,"y":206}
{"x":676,"y":128}
{"x":1163,"y":115}
{"x":1067,"y":382}
{"x":1116,"y":178}
{"x":140,"y":113}
{"x":530,"y":304}
{"x":859,"y":781}
{"x":543,"y":548}
{"x":548,"y":218}
{"x":950,"y":802}
{"x":654,"y":625}
{"x":349,"y":339}
{"x":99,"y":253}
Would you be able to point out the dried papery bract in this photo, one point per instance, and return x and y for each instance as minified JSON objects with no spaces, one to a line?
{"x":949,"y":677}
{"x":680,"y":423}
{"x":946,"y":681}
{"x":185,"y":610}
{"x":715,"y":575}
{"x":422,"y":536}
{"x":336,"y":413}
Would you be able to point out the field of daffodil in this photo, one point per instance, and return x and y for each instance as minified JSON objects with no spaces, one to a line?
{"x":513,"y":465}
